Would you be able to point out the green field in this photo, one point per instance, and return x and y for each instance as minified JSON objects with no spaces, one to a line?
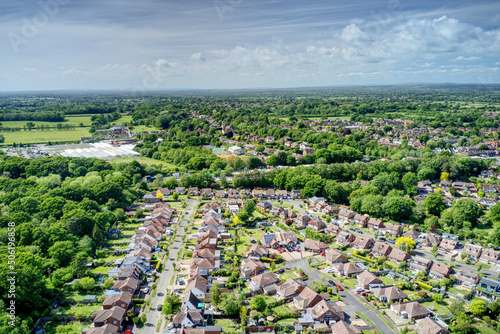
{"x":34,"y":136}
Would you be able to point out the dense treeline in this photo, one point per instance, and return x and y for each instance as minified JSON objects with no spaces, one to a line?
{"x":62,"y":209}
{"x":32,"y":116}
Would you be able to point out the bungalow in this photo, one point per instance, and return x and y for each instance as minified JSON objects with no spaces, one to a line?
{"x":394,"y":229}
{"x":375,"y":224}
{"x":467,"y":278}
{"x":398,"y":255}
{"x":290,"y":288}
{"x":316,"y":225}
{"x":315,"y":246}
{"x":381,"y":249}
{"x":151,"y":198}
{"x":193,"y":191}
{"x":346,"y":216}
{"x":342,"y":327}
{"x":259,"y":282}
{"x":411,"y":310}
{"x":113,"y":316}
{"x":444,"y":184}
{"x":430,"y":326}
{"x":207,"y":192}
{"x":489,"y":256}
{"x":362,"y":243}
{"x":269,"y":241}
{"x":448,"y":245}
{"x":366,"y":278}
{"x":361,"y":220}
{"x":180,"y":190}
{"x":263,"y":206}
{"x":334,"y":256}
{"x":164,"y":192}
{"x":431,"y":240}
{"x":488,"y":288}
{"x":122,"y":299}
{"x":389,"y":294}
{"x":327,"y":312}
{"x":472,"y":251}
{"x":306,"y":298}
{"x":348,"y":269}
{"x":419,"y":263}
{"x":439,"y":270}
{"x":257,"y":250}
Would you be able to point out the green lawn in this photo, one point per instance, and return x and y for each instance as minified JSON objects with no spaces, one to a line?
{"x":438,"y":308}
{"x":483,"y":327}
{"x":350,"y":282}
{"x":100,"y":270}
{"x":83,"y":310}
{"x":57,"y":327}
{"x":281,"y":309}
{"x":228,"y":325}
{"x":34,"y":136}
{"x":287,"y":275}
{"x":74,"y":295}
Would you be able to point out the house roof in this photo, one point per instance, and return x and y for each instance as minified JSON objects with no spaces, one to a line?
{"x":412,"y":234}
{"x":381,"y":248}
{"x":342,"y":327}
{"x":429,"y":326}
{"x":398,"y":255}
{"x":265,"y":279}
{"x":257,"y":249}
{"x":290,"y":287}
{"x":440,"y":268}
{"x":391,"y":292}
{"x":323,"y":306}
{"x":348,"y":268}
{"x":334,"y":255}
{"x":115,"y":313}
{"x":306,"y":297}
{"x":198,"y":284}
{"x":413,"y":308}
{"x":106,"y":329}
{"x":367,"y":277}
{"x":129,"y":282}
{"x":123,"y":297}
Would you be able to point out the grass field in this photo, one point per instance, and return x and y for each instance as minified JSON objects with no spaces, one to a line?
{"x":34,"y":136}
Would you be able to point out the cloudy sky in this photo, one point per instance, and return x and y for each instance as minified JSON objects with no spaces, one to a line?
{"x":198,"y":44}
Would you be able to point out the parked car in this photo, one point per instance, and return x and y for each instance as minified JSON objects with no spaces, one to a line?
{"x":281,"y":271}
{"x":297,"y":249}
{"x":181,"y":282}
{"x":331,"y":282}
{"x":170,"y":325}
{"x":359,"y":289}
{"x":159,"y":307}
{"x":360,"y":232}
{"x":352,"y":229}
{"x":340,"y":288}
{"x":146,"y":290}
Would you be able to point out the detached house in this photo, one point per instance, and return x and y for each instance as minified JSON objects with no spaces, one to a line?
{"x":467,"y":278}
{"x":290,"y":288}
{"x":410,"y":310}
{"x":394,"y":229}
{"x":419,"y":263}
{"x":262,"y":281}
{"x":122,"y":300}
{"x":448,"y":245}
{"x":348,"y":269}
{"x":316,"y":225}
{"x":346,"y":216}
{"x":113,"y":316}
{"x":342,"y":327}
{"x":327,"y":312}
{"x":129,"y":284}
{"x":334,"y":256}
{"x":489,"y":256}
{"x":375,"y":224}
{"x":306,"y":298}
{"x":389,"y":293}
{"x":361,"y":220}
{"x":366,"y":278}
{"x":429,"y":326}
{"x":315,"y":246}
{"x":269,"y":241}
{"x":381,"y":249}
{"x":398,"y":255}
{"x":439,"y":270}
{"x":257,"y":250}
{"x":488,"y":288}
{"x":362,"y":243}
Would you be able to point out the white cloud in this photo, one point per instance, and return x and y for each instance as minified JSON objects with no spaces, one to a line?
{"x":462,"y":58}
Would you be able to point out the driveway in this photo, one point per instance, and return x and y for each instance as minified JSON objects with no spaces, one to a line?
{"x":351,"y":302}
{"x":163,"y":283}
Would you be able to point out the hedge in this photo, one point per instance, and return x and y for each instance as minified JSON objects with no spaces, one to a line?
{"x":423,"y":285}
{"x":138,"y":301}
{"x":363,"y":258}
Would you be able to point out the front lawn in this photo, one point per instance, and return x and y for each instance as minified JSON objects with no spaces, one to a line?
{"x":349,"y":282}
{"x":288,"y":274}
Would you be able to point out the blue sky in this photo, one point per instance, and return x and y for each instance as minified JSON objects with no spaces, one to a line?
{"x":192,"y":44}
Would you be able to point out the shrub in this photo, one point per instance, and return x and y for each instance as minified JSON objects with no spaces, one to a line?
{"x":423,"y":285}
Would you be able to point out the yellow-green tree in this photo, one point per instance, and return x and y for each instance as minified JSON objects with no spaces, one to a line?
{"x":406,"y":243}
{"x":445,"y":176}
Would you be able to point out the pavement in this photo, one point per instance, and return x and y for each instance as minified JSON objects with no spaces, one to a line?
{"x":353,"y":305}
{"x":163,"y":283}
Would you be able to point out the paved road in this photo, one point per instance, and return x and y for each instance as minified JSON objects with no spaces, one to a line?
{"x":168,"y":271}
{"x":347,"y":297}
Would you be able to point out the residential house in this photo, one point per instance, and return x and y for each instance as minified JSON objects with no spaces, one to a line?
{"x":287,"y":214}
{"x":316,"y":225}
{"x":467,"y":278}
{"x":232,"y":193}
{"x":411,"y":310}
{"x":306,"y":298}
{"x":334,"y":256}
{"x":219,"y":193}
{"x":263,"y":280}
{"x":257,"y":193}
{"x":198,"y":288}
{"x":251,"y":268}
{"x":180,"y":190}
{"x":439,"y":270}
{"x":412,"y":234}
{"x":282,"y":194}
{"x":296,"y":194}
{"x":164,"y":192}
{"x":302,"y":219}
{"x":193,"y":191}
{"x":445,"y":185}
{"x":263,"y":206}
{"x":381,"y":249}
{"x":330,"y":210}
{"x":188,"y":319}
{"x":245,"y":193}
{"x":366,"y":278}
{"x":448,"y":245}
{"x":348,"y":269}
{"x":375,"y":224}
{"x":398,"y":255}
{"x":106,"y":329}
{"x":489,"y":256}
{"x":362,"y":243}
{"x":327,"y":312}
{"x":467,"y":187}
{"x":342,"y":327}
{"x":207,"y":192}
{"x":129,"y":284}
{"x":191,"y":302}
{"x":394,"y":229}
{"x":389,"y":293}
{"x":257,"y":250}
{"x":345,"y":239}
{"x":122,"y":299}
{"x":333,"y":229}
{"x":346,"y":216}
{"x":269,"y":241}
{"x":315,"y":246}
{"x":429,"y":326}
{"x":473,"y":251}
{"x":431,"y":240}
{"x":276,"y":210}
{"x":287,"y":239}
{"x":491,"y":188}
{"x":113,"y":316}
{"x":136,"y":261}
{"x":290,"y":288}
{"x":269,"y":193}
{"x":419,"y":263}
{"x":151,"y":198}
{"x":314,"y":200}
{"x":489,"y":288}
{"x":361,"y":220}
